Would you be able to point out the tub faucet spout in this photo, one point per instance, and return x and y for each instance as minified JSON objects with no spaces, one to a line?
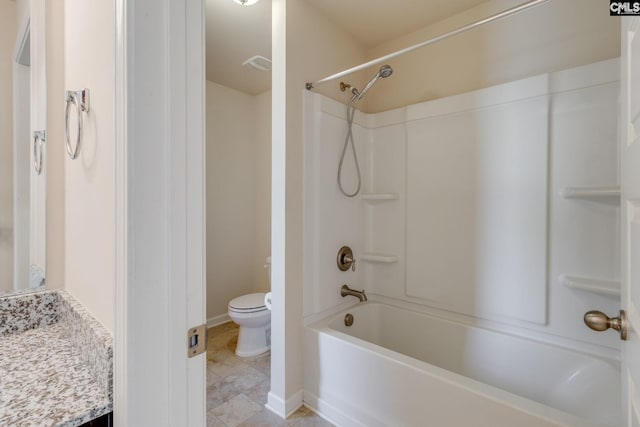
{"x":346,"y":291}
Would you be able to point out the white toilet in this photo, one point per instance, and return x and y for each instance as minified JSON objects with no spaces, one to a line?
{"x":254,"y":318}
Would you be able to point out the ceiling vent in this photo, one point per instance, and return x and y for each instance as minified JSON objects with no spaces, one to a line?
{"x":258,"y":62}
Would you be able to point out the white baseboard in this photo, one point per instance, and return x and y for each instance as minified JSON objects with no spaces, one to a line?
{"x":218,"y":320}
{"x":336,"y":416}
{"x":276,"y":405}
{"x":284,"y":408}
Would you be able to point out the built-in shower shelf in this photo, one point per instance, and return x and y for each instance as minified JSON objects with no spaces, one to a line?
{"x":597,"y":286}
{"x":379,"y":197}
{"x":605,"y":194}
{"x":378,"y":258}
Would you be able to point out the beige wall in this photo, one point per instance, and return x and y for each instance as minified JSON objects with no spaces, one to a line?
{"x":23,"y":9}
{"x":238,"y":171}
{"x":316,"y":48}
{"x":8,"y":30}
{"x":262,"y":210}
{"x":55,"y":146}
{"x":90,"y":179}
{"x":554,"y":36}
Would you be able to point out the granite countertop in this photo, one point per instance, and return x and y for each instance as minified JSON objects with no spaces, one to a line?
{"x":55,"y":373}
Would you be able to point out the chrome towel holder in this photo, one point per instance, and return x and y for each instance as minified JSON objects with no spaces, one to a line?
{"x":80,"y":99}
{"x":39,"y":138}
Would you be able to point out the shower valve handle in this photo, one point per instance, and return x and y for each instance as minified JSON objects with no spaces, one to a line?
{"x":351,"y":261}
{"x":345,"y":259}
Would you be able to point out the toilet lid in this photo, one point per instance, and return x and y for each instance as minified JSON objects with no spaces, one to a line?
{"x":248,"y":302}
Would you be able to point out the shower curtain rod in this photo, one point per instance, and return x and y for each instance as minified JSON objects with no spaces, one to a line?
{"x":389,"y":56}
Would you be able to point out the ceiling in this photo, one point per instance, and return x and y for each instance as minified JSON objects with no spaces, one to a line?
{"x":235,"y":33}
{"x":373,"y":22}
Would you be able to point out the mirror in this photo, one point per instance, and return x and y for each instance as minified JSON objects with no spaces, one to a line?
{"x":22,"y":201}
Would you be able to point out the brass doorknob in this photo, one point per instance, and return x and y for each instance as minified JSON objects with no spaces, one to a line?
{"x":598,"y":321}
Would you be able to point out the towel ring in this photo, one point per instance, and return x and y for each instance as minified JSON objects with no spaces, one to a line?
{"x":80,"y":99}
{"x":39,"y":138}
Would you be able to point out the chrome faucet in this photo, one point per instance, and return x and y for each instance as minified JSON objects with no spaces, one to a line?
{"x":346,"y":291}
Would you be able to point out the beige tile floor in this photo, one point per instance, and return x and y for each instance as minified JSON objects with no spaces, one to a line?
{"x":237,"y":387}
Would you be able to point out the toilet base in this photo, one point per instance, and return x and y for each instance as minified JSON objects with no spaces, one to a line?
{"x":253,"y":341}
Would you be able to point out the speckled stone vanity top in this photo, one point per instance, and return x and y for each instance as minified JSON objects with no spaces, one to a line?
{"x":56,"y":362}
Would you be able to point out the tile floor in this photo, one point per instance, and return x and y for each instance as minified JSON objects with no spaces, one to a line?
{"x":237,"y":387}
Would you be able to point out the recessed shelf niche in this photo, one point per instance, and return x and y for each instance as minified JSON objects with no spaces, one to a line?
{"x":378,"y":197}
{"x":596,"y":286}
{"x":603,"y":194}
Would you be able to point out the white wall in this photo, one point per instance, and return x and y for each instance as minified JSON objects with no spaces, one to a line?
{"x":90,"y":178}
{"x":21,"y":174}
{"x":8,"y":31}
{"x":238,"y":170}
{"x":553,"y":36}
{"x":306,"y":47}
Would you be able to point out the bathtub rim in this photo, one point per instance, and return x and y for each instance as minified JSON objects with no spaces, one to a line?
{"x":471,"y":385}
{"x":603,"y":352}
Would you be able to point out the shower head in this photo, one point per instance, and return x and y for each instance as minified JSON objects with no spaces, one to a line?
{"x":384,"y":72}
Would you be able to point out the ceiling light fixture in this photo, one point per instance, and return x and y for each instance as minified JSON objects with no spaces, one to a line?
{"x":246,"y":2}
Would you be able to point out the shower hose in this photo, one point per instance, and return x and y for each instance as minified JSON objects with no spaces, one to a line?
{"x":351,"y":112}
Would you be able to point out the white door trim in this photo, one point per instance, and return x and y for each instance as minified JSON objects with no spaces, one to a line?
{"x":120,"y":372}
{"x":160,"y":227}
{"x":629,"y":201}
{"x":38,"y":96}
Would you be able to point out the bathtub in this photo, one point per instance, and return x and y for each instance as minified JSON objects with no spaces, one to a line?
{"x":399,"y":367}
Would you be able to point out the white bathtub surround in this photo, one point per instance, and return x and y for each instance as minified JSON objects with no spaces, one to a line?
{"x":480,"y":205}
{"x":463,"y":207}
{"x":369,"y":374}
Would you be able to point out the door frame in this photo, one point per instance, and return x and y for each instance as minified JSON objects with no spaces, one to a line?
{"x":160,"y":217}
{"x":630,"y":191}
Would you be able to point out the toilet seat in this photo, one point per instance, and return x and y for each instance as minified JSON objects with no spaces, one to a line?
{"x":250,"y":303}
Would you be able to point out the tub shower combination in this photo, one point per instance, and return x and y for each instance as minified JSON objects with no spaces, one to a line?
{"x":461,"y":230}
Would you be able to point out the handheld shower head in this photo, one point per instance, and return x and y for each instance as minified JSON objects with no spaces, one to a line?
{"x":384,"y":72}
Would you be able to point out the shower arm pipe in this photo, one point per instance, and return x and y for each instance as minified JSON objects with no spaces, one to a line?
{"x":452,"y":33}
